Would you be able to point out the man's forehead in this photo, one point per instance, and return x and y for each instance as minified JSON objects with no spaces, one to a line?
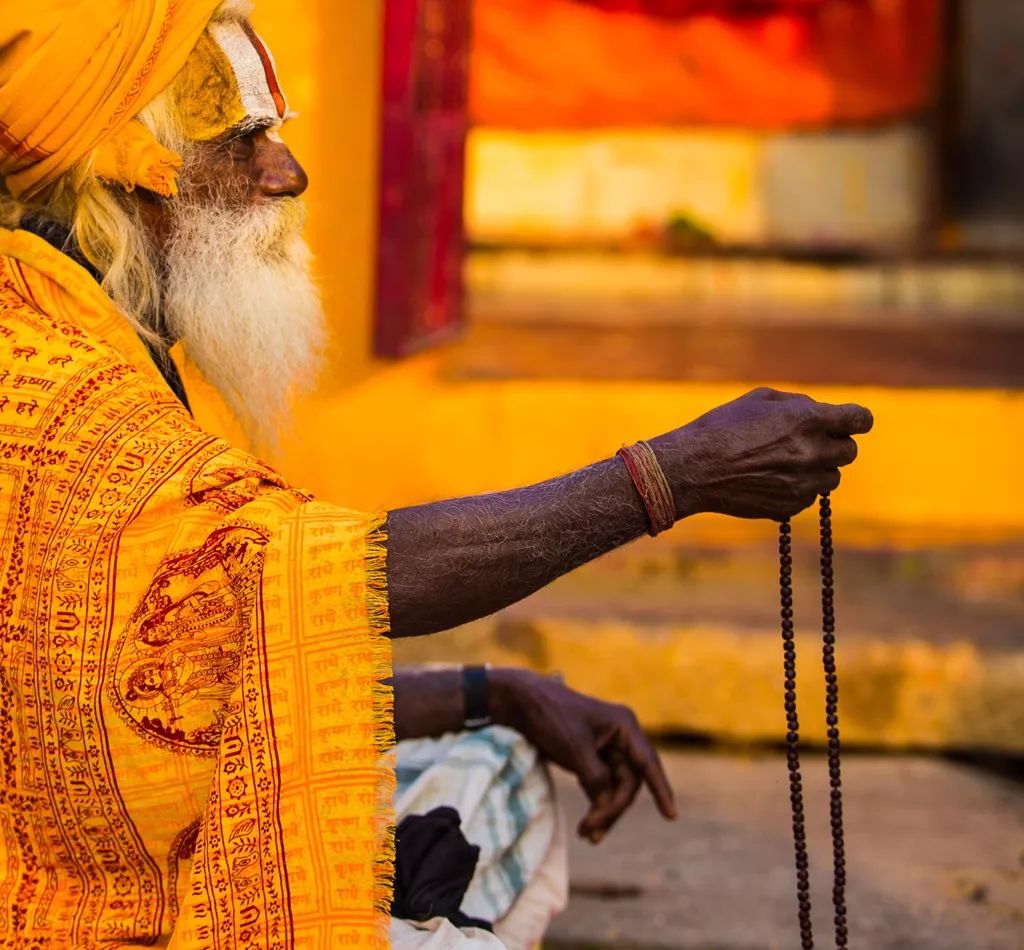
{"x":229,"y":82}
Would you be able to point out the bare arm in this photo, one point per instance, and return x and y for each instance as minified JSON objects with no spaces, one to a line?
{"x":766,"y":455}
{"x":429,"y":703}
{"x":455,"y":561}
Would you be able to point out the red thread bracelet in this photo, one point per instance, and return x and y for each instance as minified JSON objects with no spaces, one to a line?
{"x":651,"y":484}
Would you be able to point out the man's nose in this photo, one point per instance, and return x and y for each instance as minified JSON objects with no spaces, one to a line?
{"x":279,"y":173}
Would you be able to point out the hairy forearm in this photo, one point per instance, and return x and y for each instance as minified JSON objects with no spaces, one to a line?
{"x":456,"y":561}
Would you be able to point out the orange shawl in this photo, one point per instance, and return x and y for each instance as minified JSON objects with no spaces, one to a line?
{"x":191,"y":653}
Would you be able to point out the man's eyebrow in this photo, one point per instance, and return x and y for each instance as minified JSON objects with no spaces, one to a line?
{"x":251,"y":124}
{"x":248,"y":125}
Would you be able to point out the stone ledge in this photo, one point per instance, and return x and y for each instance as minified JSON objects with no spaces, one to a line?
{"x":725,"y":682}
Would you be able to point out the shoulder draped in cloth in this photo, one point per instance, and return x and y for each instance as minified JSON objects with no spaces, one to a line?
{"x":192,"y":719}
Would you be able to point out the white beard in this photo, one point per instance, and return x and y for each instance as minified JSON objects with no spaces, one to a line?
{"x":239,"y":294}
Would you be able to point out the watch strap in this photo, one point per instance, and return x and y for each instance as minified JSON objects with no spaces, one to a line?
{"x":476,"y":695}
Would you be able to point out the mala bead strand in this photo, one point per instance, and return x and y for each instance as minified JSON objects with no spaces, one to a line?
{"x":828,"y":624}
{"x":832,"y":722}
{"x":796,"y":798}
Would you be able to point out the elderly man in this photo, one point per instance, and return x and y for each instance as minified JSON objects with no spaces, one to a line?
{"x":194,"y":658}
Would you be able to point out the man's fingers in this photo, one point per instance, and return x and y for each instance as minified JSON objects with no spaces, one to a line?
{"x":661,"y":790}
{"x":839,"y":452}
{"x":593,"y":773}
{"x":589,"y":824}
{"x":611,"y":805}
{"x":647,"y":761}
{"x":829,"y":481}
{"x":849,"y":419}
{"x":634,"y":762}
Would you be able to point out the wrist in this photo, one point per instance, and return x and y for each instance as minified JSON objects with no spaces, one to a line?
{"x":507,"y":688}
{"x":677,"y":453}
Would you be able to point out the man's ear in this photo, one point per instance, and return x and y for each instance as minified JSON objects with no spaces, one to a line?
{"x":155,"y":212}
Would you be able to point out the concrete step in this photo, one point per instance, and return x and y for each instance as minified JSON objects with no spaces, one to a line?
{"x":935,"y":860}
{"x":930,"y":640}
{"x":906,"y":356}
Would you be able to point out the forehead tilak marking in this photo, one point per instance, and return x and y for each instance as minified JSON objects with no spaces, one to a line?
{"x":230,"y":83}
{"x":269,"y":70}
{"x":253,"y":66}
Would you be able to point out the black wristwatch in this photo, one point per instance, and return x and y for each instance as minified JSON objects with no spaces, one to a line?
{"x":477,"y":697}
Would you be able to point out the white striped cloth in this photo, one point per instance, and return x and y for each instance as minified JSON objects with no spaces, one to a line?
{"x":504,"y":795}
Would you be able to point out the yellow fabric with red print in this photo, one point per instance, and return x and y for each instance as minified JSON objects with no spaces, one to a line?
{"x":192,"y":657}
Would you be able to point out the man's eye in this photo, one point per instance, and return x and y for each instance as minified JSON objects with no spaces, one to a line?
{"x":241,"y":147}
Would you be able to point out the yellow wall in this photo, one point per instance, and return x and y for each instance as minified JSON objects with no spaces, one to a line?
{"x":384,"y":436}
{"x":329,"y":54}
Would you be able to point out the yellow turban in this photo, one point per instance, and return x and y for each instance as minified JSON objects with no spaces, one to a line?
{"x":74,"y":73}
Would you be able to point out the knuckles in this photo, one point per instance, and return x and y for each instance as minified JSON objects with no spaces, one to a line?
{"x":771,"y":454}
{"x":622,"y":715}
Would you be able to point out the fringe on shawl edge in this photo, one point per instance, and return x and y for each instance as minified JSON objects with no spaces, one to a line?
{"x":384,"y":719}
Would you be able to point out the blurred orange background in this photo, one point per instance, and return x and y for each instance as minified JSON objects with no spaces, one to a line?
{"x":383,"y":433}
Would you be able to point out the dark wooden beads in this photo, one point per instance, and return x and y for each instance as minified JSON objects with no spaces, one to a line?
{"x":793,"y":731}
{"x":803,"y":882}
{"x":828,"y":622}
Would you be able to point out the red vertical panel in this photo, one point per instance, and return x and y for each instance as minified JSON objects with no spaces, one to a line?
{"x":425,"y":90}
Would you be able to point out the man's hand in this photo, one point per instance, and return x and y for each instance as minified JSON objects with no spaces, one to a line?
{"x":600,"y":743}
{"x":766,"y":455}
